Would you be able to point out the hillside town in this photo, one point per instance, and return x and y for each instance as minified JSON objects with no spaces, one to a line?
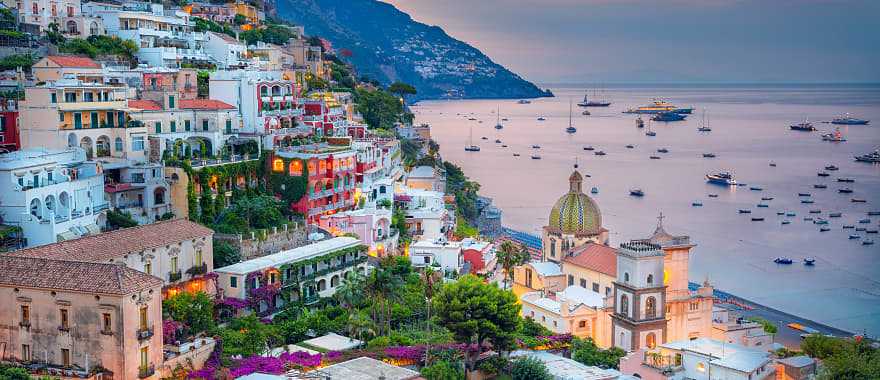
{"x":202,"y":191}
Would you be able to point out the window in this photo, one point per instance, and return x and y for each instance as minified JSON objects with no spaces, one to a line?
{"x":570,"y":280}
{"x":106,"y":325}
{"x":25,"y":352}
{"x":61,"y":117}
{"x":198,"y":257}
{"x":624,"y":305}
{"x":173,"y":126}
{"x":170,"y":101}
{"x":626,"y":277}
{"x":701,"y":367}
{"x":88,"y":97}
{"x":543,"y":318}
{"x":296,"y":168}
{"x":228,"y":126}
{"x":69,"y":97}
{"x":110,"y":121}
{"x":607,"y":290}
{"x":137,"y":143}
{"x":583,"y":283}
{"x":49,"y":176}
{"x":148,"y":267}
{"x":596,"y":287}
{"x":158,"y":127}
{"x":173,"y":264}
{"x":118,"y":145}
{"x":53,"y":97}
{"x":651,"y":340}
{"x":552,"y":248}
{"x":650,"y":279}
{"x":93,"y":119}
{"x":65,"y":322}
{"x":233,"y":282}
{"x":143,"y":318}
{"x":528,"y":278}
{"x":25,"y":315}
{"x":427,"y":259}
{"x":145,"y":357}
{"x":278,"y":165}
{"x":204,"y":124}
{"x":694,"y":306}
{"x":651,"y":308}
{"x":554,"y":323}
{"x":186,"y":126}
{"x":272,"y":278}
{"x":65,"y":357}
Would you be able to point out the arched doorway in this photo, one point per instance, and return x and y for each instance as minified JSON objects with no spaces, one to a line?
{"x":36,"y":208}
{"x":71,"y":27}
{"x":159,"y":196}
{"x":71,"y":140}
{"x":103,"y":146}
{"x":86,"y":144}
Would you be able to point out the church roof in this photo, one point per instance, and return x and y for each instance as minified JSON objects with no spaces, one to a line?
{"x":596,"y":257}
{"x":665,"y":239}
{"x":576,"y":213}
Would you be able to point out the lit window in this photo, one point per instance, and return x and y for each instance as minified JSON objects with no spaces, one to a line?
{"x":701,"y":367}
{"x":296,"y":168}
{"x":278,"y":165}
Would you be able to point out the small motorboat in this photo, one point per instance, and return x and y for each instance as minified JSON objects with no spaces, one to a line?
{"x":870,"y":231}
{"x":504,"y":119}
{"x":873,"y":157}
{"x":847,"y":180}
{"x":745,"y":211}
{"x":599,"y":153}
{"x":708,"y":155}
{"x":815,"y":211}
{"x":654,"y":157}
{"x":766,"y":198}
{"x":845,"y":190}
{"x":541,"y":118}
{"x":713,"y":195}
{"x":772,"y":164}
{"x":630,"y":146}
{"x":524,"y":101}
{"x":835,"y":136}
{"x":585,"y":113}
{"x":809,"y":261}
{"x":853,"y":237}
{"x":536,"y":157}
{"x":757,"y":219}
{"x":873,"y":213}
{"x":807,"y":201}
{"x":755,"y":188}
{"x":790,"y":214}
{"x":824,"y":229}
{"x":589,"y":147}
{"x":484,"y":138}
{"x":636,"y":192}
{"x":867,"y":242}
{"x":662,"y":150}
{"x":805,"y":127}
{"x":832,"y":168}
{"x":504,"y":145}
{"x":786,"y":222}
{"x":497,"y":141}
{"x":536,"y":147}
{"x":803,"y":194}
{"x":780,"y":213}
{"x":835,"y":214}
{"x":516,"y":154}
{"x":820,"y":221}
{"x":651,"y":133}
{"x":763,"y":205}
{"x":822,"y":174}
{"x":571,"y":130}
{"x":697,"y":204}
{"x":704,"y":129}
{"x":820,"y":186}
{"x":858,"y":200}
{"x":594,"y":190}
{"x":782,"y":260}
{"x":808,"y":218}
{"x":860,"y":229}
{"x":472,"y":119}
{"x":848,"y":226}
{"x":864,"y":221}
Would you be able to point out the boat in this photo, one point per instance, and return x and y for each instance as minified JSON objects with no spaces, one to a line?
{"x":504,"y":145}
{"x":472,"y":119}
{"x":640,"y":123}
{"x":704,"y":124}
{"x":815,"y":211}
{"x":662,"y":150}
{"x":790,"y":214}
{"x":541,"y":118}
{"x":709,"y":155}
{"x":484,"y":138}
{"x":864,"y":221}
{"x":593,"y":103}
{"x":786,"y":222}
{"x":809,"y":261}
{"x":848,"y":226}
{"x":745,"y":211}
{"x":822,"y":174}
{"x":873,"y":213}
{"x":820,"y":186}
{"x":516,"y":154}
{"x":659,"y":106}
{"x":820,"y":221}
{"x":805,"y":127}
{"x":536,"y":146}
{"x":873,"y":157}
{"x":571,"y":128}
{"x":589,"y":148}
{"x":854,"y":236}
{"x":757,"y":219}
{"x":470,"y":147}
{"x":867,"y":242}
{"x":772,"y":164}
{"x":524,"y":101}
{"x":782,"y":260}
{"x":668,"y":116}
{"x":697,"y":204}
{"x":594,"y":190}
{"x":860,"y":229}
{"x":586,"y":113}
{"x":871,"y":231}
{"x":504,"y":119}
{"x":824,"y":229}
{"x":651,"y":133}
{"x":498,"y":124}
{"x":808,"y":218}
{"x":807,"y":201}
{"x":835,"y":136}
{"x":498,"y":141}
{"x":780,"y":213}
{"x":654,"y":157}
{"x":845,"y":190}
{"x":763,"y":205}
{"x":630,"y":146}
{"x":849,"y":120}
{"x":599,"y":153}
{"x":756,"y":188}
{"x":832,"y":167}
{"x":713,"y":195}
{"x":858,"y":200}
{"x":536,"y":157}
{"x":835,"y":214}
{"x":846,"y":180}
{"x":636,"y":192}
{"x":721,"y":178}
{"x":766,"y":198}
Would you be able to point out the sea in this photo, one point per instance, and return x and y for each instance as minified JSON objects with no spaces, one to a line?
{"x":750,"y":130}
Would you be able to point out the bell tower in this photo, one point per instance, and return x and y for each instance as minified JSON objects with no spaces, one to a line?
{"x":639,"y":319}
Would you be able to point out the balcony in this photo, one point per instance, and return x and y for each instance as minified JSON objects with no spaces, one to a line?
{"x":101,"y":207}
{"x":174,"y":276}
{"x":312,"y":299}
{"x":334,"y":268}
{"x":92,"y":106}
{"x":144,"y":334}
{"x":147,"y":371}
{"x":198,"y":270}
{"x":129,"y":204}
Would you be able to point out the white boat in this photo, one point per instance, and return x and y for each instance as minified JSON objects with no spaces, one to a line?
{"x":704,"y":125}
{"x":470,"y":147}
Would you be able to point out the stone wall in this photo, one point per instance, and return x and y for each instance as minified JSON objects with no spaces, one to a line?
{"x":189,"y":356}
{"x":261,"y":244}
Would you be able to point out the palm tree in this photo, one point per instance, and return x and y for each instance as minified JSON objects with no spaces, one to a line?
{"x":381,"y":286}
{"x":511,"y":255}
{"x":429,"y":277}
{"x":350,"y":290}
{"x":360,"y":327}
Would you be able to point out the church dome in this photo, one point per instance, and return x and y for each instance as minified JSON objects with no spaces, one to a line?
{"x":575,"y":213}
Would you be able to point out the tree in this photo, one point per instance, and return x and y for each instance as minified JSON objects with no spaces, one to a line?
{"x":477,"y":313}
{"x":401,"y":89}
{"x":239,"y":19}
{"x":443,"y":370}
{"x":528,"y":368}
{"x":585,"y":351}
{"x":380,"y":109}
{"x":247,"y":336}
{"x":350,"y":290}
{"x":511,"y":255}
{"x":843,"y":358}
{"x":381,"y":286}
{"x":195,"y":310}
{"x":769,"y":327}
{"x":14,"y":61}
{"x":119,"y":219}
{"x":360,"y":326}
{"x":225,"y":254}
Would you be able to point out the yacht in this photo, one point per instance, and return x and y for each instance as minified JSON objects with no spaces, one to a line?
{"x":805,"y":127}
{"x":668,"y":116}
{"x":849,"y":120}
{"x":832,"y":167}
{"x":593,"y":103}
{"x":709,"y":155}
{"x":659,"y":106}
{"x":704,"y":124}
{"x":835,"y":136}
{"x":721,"y":178}
{"x":636,"y":192}
{"x":870,"y":157}
{"x":470,"y":147}
{"x":571,"y":128}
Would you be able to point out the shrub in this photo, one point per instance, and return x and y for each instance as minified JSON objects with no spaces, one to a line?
{"x":527,"y":368}
{"x":443,"y":370}
{"x":495,"y":365}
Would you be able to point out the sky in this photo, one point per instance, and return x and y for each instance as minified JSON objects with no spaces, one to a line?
{"x":613,"y":41}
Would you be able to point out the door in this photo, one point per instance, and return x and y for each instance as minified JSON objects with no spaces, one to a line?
{"x":77,"y":121}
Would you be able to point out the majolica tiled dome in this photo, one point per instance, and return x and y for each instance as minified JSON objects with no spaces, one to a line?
{"x":576,"y":213}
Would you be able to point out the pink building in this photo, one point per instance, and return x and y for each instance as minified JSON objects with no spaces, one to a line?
{"x":372,"y":226}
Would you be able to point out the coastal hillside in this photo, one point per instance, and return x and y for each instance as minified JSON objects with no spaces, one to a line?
{"x":388,"y":45}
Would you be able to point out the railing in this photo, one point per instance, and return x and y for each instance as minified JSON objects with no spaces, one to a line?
{"x":312,"y":299}
{"x":174,"y":276}
{"x":334,"y":268}
{"x":130,"y":204}
{"x":143,"y":334}
{"x":198,"y":270}
{"x":101,"y":207}
{"x":222,"y":161}
{"x":145,"y":372}
{"x":61,"y":218}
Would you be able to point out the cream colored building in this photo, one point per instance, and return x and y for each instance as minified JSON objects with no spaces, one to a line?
{"x":55,"y":67}
{"x":574,"y":310}
{"x":77,"y":316}
{"x":537,"y":277}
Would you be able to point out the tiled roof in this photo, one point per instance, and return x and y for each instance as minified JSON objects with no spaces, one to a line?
{"x":596,"y":257}
{"x":227,"y":38}
{"x":204,"y":104}
{"x":75,"y":276}
{"x":74,"y":61}
{"x":113,"y":244}
{"x":146,"y":105}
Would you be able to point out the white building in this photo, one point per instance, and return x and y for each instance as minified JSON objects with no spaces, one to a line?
{"x":51,"y":195}
{"x":574,"y":310}
{"x":426,"y":214}
{"x":188,"y":123}
{"x":731,"y":328}
{"x":438,"y":253}
{"x":227,"y":52}
{"x":699,"y":359}
{"x":561,"y":368}
{"x":426,"y":178}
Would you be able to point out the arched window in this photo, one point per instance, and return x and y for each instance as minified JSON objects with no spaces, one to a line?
{"x":322,"y":285}
{"x":650,"y":279}
{"x":334,"y":282}
{"x":651,"y":340}
{"x":278,"y":165}
{"x":651,"y":308}
{"x":296,"y":168}
{"x":36,"y":208}
{"x":264,"y":91}
{"x":311,"y":168}
{"x":624,"y":305}
{"x":625,"y":276}
{"x":159,"y":195}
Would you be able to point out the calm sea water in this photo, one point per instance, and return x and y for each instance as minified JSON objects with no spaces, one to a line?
{"x":750,"y":129}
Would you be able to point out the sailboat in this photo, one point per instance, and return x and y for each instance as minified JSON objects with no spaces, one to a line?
{"x":704,"y":125}
{"x":571,"y":128}
{"x":649,"y":131}
{"x":498,"y":124}
{"x":640,"y":123}
{"x":593,"y":103}
{"x":471,"y":147}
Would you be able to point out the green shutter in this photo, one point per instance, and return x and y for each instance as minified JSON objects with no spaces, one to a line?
{"x":205,"y":124}
{"x":170,"y":101}
{"x":173,"y":126}
{"x":229,"y":127}
{"x":94,"y":119}
{"x":186,"y":125}
{"x":158,"y":127}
